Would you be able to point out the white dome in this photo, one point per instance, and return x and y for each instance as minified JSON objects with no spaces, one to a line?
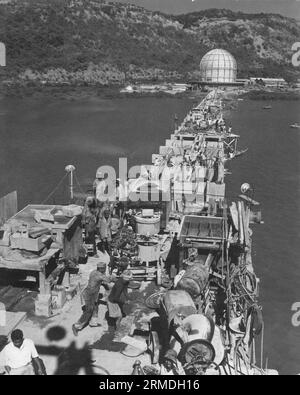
{"x":218,"y":65}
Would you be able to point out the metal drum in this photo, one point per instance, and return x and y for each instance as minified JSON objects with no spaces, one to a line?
{"x":194,"y":280}
{"x":198,"y":326}
{"x":147,"y":225}
{"x":201,"y":338}
{"x":177,"y":303}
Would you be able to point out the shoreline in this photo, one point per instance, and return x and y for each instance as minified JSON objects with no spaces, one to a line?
{"x":267,"y":95}
{"x":78,"y":92}
{"x":82,"y":92}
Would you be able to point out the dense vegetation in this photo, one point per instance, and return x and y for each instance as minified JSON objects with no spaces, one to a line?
{"x":94,"y":41}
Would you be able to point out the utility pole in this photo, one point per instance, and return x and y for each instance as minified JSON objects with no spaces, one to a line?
{"x":70,"y":169}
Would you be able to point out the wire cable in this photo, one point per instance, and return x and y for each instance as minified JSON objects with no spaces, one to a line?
{"x":55,"y":189}
{"x":78,"y":183}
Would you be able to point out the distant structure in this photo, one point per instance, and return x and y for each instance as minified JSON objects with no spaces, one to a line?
{"x":218,"y":66}
{"x":269,"y":82}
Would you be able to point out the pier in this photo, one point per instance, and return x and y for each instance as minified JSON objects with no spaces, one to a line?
{"x":194,"y":243}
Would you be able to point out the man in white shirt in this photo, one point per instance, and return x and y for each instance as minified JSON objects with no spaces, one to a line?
{"x":19,"y":355}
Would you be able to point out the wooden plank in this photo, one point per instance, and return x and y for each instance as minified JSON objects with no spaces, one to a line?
{"x":209,"y":260}
{"x":27,"y":215}
{"x":13,"y":320}
{"x":234,"y":215}
{"x":36,"y":264}
{"x":204,"y":246}
{"x":245,"y":225}
{"x":241,"y":226}
{"x":8,"y":206}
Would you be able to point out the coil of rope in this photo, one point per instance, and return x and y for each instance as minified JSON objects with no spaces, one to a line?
{"x":153,"y":301}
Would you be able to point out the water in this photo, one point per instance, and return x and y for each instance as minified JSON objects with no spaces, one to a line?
{"x":272,"y":167}
{"x":39,"y":138}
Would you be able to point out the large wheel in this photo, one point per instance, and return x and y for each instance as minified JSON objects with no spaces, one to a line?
{"x":154,"y":347}
{"x":197,"y":351}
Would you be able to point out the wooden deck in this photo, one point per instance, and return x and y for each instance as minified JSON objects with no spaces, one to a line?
{"x":13,"y":320}
{"x":38,"y":265}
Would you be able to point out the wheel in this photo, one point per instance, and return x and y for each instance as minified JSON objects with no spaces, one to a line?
{"x":154,"y":347}
{"x":197,"y":351}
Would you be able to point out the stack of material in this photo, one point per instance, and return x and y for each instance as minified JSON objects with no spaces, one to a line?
{"x":200,"y":193}
{"x":215,"y":191}
{"x":72,"y":210}
{"x":33,"y":238}
{"x":201,"y":185}
{"x":163,"y":150}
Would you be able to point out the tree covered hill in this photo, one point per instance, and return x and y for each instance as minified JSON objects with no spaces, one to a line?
{"x":120,"y":40}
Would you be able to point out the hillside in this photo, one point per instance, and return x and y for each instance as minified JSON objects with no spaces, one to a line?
{"x":92,"y":41}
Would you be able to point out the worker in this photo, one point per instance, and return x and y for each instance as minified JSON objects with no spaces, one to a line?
{"x":99,"y":187}
{"x":118,"y":297}
{"x":90,"y":296}
{"x":120,"y":199}
{"x":20,"y":355}
{"x":217,"y":125}
{"x":104,"y":256}
{"x":170,"y":365}
{"x":90,"y":218}
{"x":105,"y":224}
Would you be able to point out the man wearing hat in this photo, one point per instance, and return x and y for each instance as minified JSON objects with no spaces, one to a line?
{"x":118,"y":297}
{"x":90,"y":296}
{"x":170,"y":365}
{"x":105,"y":225}
{"x":99,"y":186}
{"x":90,"y":218}
{"x":120,"y":199}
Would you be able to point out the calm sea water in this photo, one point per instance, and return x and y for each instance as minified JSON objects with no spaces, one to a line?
{"x":39,"y":138}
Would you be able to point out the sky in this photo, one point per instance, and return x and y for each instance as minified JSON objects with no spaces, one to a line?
{"x":285,"y":7}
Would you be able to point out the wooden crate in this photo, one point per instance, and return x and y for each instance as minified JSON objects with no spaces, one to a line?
{"x":28,"y":244}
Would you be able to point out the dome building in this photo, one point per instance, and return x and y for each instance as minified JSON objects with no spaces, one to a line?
{"x":218,"y":66}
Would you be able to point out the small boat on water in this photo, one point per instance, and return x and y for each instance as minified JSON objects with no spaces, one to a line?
{"x":295,"y":126}
{"x":267,"y":108}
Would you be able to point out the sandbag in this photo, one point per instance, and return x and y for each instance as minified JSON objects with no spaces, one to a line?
{"x":194,"y":280}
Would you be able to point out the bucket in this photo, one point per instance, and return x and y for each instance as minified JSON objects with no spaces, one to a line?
{"x":147,"y":226}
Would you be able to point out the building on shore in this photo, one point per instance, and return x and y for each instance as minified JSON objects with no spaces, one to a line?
{"x":269,"y":82}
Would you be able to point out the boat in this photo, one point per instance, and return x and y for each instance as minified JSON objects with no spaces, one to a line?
{"x":295,"y":126}
{"x":267,"y":108}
